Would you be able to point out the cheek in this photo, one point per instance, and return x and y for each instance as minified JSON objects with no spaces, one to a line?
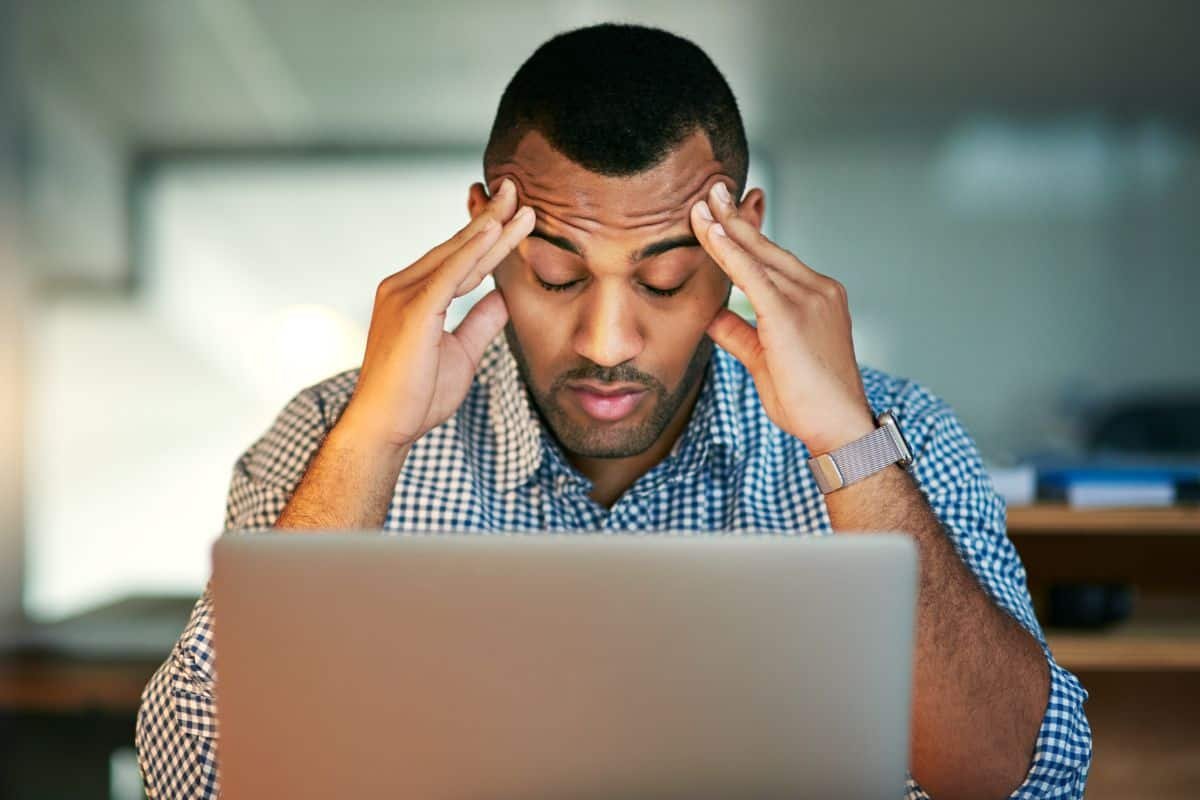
{"x":681,"y":332}
{"x":522,"y":303}
{"x":693,"y":309}
{"x":504,"y":273}
{"x":539,"y":326}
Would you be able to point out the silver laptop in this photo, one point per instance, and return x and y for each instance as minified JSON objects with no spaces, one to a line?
{"x":569,"y":666}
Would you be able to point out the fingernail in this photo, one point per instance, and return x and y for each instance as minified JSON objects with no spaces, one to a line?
{"x":722,"y":193}
{"x":506,"y":187}
{"x":704,"y":211}
{"x":525,"y":211}
{"x":716,"y":230}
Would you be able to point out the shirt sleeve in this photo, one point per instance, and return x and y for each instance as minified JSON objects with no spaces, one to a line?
{"x":176,"y":732}
{"x":952,"y":477}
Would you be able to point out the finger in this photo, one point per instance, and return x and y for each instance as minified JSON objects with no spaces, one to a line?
{"x":500,"y":208}
{"x":440,"y":285}
{"x":787,"y":283}
{"x":737,"y":336}
{"x":750,"y":238}
{"x":517,"y":229}
{"x":794,"y":282}
{"x":745,"y":271}
{"x":485,"y":319}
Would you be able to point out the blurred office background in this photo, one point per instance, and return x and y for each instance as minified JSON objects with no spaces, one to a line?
{"x":198,"y":199}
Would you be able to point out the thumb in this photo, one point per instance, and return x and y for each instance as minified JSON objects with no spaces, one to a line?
{"x":485,"y":319}
{"x":738,"y":337}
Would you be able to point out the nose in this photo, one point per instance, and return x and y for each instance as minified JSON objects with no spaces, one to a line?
{"x":607,"y":333}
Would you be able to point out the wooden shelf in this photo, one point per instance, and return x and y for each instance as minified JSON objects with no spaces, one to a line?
{"x":1136,"y":645}
{"x":1155,"y":549}
{"x":1057,"y":518}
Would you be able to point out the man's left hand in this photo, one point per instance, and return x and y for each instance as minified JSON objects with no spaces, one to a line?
{"x":801,"y":354}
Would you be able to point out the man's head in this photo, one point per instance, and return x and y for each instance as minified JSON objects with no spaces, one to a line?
{"x":611,"y":134}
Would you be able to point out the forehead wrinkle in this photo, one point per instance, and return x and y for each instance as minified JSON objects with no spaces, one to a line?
{"x":594,"y":226}
{"x":536,"y":194}
{"x":592,"y":211}
{"x":591,"y":220}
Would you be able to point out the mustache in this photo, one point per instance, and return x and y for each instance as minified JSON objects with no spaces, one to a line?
{"x":621,"y":373}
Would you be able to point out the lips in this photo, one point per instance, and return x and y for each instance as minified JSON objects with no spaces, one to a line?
{"x":609,"y":405}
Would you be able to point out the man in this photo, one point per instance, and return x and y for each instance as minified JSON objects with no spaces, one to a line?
{"x":625,"y":395}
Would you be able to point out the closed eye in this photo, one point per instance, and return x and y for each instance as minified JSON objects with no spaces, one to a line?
{"x":556,"y":287}
{"x":562,"y":287}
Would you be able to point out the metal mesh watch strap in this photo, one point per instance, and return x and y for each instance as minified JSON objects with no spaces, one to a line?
{"x":853,"y":462}
{"x":869,"y":454}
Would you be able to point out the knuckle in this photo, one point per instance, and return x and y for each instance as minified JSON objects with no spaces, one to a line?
{"x":393,"y":287}
{"x":387,"y":287}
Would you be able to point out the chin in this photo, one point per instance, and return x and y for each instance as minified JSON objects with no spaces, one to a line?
{"x":590,"y":439}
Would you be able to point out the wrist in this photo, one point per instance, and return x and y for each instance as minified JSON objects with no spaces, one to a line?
{"x":863,"y":456}
{"x":834,"y":436}
{"x":353,"y":434}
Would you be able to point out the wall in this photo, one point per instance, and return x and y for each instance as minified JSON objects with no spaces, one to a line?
{"x":1021,"y":269}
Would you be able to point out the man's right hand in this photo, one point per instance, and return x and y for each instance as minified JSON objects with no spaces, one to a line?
{"x":415,"y":374}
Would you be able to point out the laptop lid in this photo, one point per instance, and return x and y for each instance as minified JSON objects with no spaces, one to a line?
{"x":563,"y":665}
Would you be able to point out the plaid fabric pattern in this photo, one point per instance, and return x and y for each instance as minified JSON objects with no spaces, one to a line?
{"x":493,"y":467}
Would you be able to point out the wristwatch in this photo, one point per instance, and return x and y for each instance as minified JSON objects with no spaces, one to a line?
{"x":850,"y":463}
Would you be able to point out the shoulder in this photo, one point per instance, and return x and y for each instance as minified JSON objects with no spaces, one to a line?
{"x":922,"y":413}
{"x":914,"y":402}
{"x":325,"y":401}
{"x":281,"y":454}
{"x":315,"y":409}
{"x":948,"y":465}
{"x":884,"y":390}
{"x":934,"y":431}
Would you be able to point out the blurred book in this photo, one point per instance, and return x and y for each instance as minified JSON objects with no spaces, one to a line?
{"x":1116,"y":494}
{"x":1117,"y":480}
{"x":1139,"y":449}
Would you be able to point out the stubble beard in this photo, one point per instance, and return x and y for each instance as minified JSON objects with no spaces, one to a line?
{"x":616,"y":440}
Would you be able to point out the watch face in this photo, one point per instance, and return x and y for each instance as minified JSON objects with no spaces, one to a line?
{"x":891,"y":420}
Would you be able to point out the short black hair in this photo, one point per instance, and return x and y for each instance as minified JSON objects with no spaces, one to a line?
{"x":617,"y":99}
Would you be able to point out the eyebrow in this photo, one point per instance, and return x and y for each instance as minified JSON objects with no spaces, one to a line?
{"x":653,"y":249}
{"x":557,"y":241}
{"x":665,"y":245}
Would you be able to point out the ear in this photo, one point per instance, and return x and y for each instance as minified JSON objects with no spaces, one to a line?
{"x":753,"y":207}
{"x":477,"y":199}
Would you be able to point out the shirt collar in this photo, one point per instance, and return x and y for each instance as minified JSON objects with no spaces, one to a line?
{"x":507,"y":444}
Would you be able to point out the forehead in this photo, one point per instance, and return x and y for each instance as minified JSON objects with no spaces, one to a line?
{"x":565,"y":192}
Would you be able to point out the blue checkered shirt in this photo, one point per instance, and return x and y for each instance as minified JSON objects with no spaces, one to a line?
{"x":493,"y":466}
